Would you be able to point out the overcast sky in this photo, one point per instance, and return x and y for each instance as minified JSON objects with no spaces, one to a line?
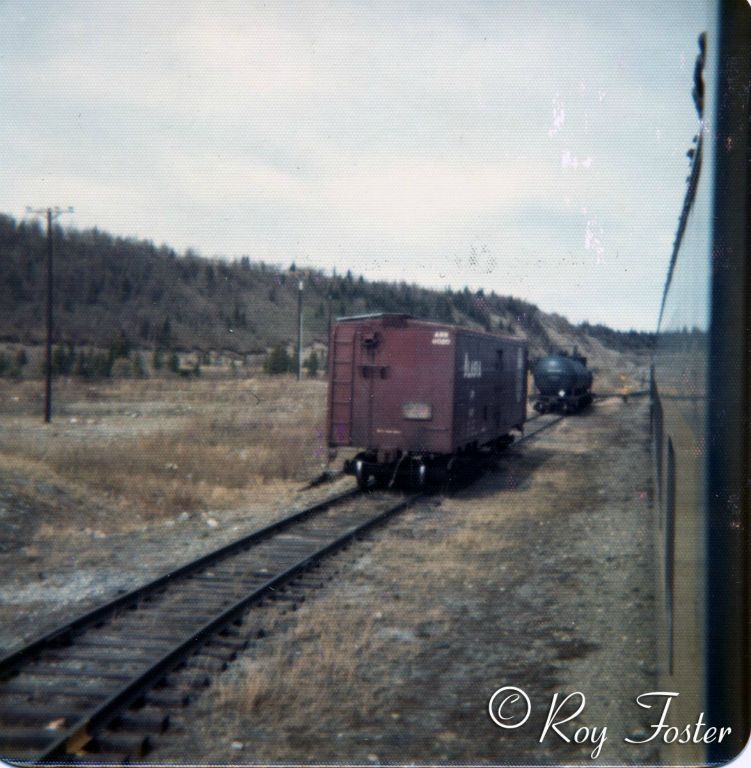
{"x":535,"y":149}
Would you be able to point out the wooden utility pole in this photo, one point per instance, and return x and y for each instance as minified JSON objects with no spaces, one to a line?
{"x":299,"y":330}
{"x":48,"y":356}
{"x":51,"y":214}
{"x":328,"y":333}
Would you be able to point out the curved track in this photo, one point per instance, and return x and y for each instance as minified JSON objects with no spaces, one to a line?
{"x":102,"y":680}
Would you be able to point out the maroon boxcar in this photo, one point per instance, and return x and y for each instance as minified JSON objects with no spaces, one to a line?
{"x":416,"y":395}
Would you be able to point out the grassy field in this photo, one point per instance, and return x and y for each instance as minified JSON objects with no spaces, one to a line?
{"x":124,"y":452}
{"x":488,"y":585}
{"x":158,"y":447}
{"x":537,"y":575}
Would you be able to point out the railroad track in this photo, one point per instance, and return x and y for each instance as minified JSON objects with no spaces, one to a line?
{"x":97,"y":686}
{"x":549,"y":422}
{"x":99,"y":681}
{"x":623,"y":395}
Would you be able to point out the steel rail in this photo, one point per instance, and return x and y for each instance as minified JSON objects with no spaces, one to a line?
{"x":539,"y":429}
{"x":12,"y":660}
{"x":622,"y":395}
{"x":81,"y":732}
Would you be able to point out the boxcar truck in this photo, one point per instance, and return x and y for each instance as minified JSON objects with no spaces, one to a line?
{"x":419,"y":398}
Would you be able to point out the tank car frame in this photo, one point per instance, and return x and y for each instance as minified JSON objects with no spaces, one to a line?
{"x":562,"y":403}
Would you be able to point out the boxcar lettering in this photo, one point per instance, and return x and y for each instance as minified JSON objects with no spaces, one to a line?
{"x":472,"y":368}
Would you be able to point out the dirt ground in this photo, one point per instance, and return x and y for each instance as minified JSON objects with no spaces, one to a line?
{"x":538,"y":576}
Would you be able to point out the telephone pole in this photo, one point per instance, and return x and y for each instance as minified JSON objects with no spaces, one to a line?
{"x":299,"y":330}
{"x":51,"y":214}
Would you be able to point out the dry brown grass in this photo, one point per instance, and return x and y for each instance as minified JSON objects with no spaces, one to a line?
{"x":158,"y":447}
{"x":289,"y":675}
{"x":322,"y":665}
{"x":343,"y":656}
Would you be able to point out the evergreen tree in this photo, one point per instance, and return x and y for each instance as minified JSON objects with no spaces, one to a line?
{"x":120,"y":347}
{"x":19,"y":362}
{"x":102,"y":364}
{"x":164,"y":337}
{"x":311,"y":364}
{"x":81,"y":368}
{"x":210,"y":277}
{"x":63,"y":360}
{"x":277,"y":361}
{"x":139,"y":367}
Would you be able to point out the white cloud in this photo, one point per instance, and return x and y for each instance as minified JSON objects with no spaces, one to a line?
{"x":387,"y":138}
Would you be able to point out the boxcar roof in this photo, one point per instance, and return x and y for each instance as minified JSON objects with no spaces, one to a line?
{"x":436,"y":323}
{"x":374,"y":315}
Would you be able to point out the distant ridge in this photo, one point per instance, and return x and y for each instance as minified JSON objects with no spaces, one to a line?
{"x":109,"y":286}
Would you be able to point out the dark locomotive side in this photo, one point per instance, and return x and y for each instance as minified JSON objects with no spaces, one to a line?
{"x":419,"y":398}
{"x":563,"y":382}
{"x":701,"y":411}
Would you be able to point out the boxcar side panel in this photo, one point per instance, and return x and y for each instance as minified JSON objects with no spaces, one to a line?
{"x":404,"y":385}
{"x":491,"y":388}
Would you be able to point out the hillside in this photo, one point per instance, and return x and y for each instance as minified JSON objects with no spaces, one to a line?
{"x":109,"y":286}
